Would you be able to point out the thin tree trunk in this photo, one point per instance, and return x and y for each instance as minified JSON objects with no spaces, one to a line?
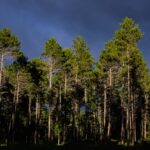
{"x":36,"y":119}
{"x":59,"y":116}
{"x":1,"y":68}
{"x":133,"y":124}
{"x":110,"y":99}
{"x":49,"y":111}
{"x":60,"y":99}
{"x":58,"y":138}
{"x":50,"y":75}
{"x":29,"y":111}
{"x":128,"y":103}
{"x":86,"y":121}
{"x":65,"y":84}
{"x":76,"y":78}
{"x":75,"y":113}
{"x":64,"y":126}
{"x":105,"y":108}
{"x":85,"y":95}
{"x":122,"y":123}
{"x":29,"y":119}
{"x":16,"y":100}
{"x":99,"y":120}
{"x":49,"y":124}
{"x":127,"y":124}
{"x":18,"y":89}
{"x":145,"y":118}
{"x":64,"y":134}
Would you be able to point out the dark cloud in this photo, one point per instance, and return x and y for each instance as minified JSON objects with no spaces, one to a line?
{"x":34,"y":21}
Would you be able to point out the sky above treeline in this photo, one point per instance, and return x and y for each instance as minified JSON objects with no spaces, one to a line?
{"x":34,"y":21}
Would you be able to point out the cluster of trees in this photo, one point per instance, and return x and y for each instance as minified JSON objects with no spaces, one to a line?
{"x":68,"y":97}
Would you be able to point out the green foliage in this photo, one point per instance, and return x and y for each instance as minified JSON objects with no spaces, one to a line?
{"x":7,"y":39}
{"x":52,"y":49}
{"x":72,"y":96}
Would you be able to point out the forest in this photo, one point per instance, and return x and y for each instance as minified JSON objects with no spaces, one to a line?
{"x":65,"y":96}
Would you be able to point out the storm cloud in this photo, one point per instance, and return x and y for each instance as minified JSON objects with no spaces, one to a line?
{"x":34,"y":21}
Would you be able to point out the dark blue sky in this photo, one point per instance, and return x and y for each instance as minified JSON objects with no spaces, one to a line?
{"x":34,"y":21}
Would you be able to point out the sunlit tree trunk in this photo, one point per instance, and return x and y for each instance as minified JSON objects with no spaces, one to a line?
{"x":99,"y":115}
{"x":59,"y":115}
{"x":105,"y":108}
{"x":16,"y":100}
{"x":122,"y":122}
{"x":49,"y":110}
{"x":128,"y":103}
{"x":109,"y":105}
{"x":75,"y":113}
{"x":1,"y":68}
{"x":29,"y":110}
{"x":36,"y":119}
{"x":65,"y":98}
{"x":65,"y":87}
{"x":50,"y":74}
{"x":49,"y":125}
{"x":86,"y":121}
{"x":145,"y":117}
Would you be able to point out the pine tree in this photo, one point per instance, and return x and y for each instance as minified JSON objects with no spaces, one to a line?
{"x":52,"y":54}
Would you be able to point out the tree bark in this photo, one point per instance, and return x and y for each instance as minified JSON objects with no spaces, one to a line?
{"x":128,"y":103}
{"x":59,"y":116}
{"x":29,"y":110}
{"x":99,"y":119}
{"x":36,"y":119}
{"x":122,"y":122}
{"x":105,"y":108}
{"x":145,"y":118}
{"x":1,"y":68}
{"x":109,"y":105}
{"x":65,"y":84}
{"x":16,"y":100}
{"x":50,"y":75}
{"x":49,"y":124}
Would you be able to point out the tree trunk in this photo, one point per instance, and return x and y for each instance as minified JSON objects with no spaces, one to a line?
{"x":16,"y":100}
{"x":49,"y":111}
{"x":64,"y":133}
{"x":59,"y":116}
{"x":105,"y":108}
{"x":99,"y":119}
{"x":50,"y":75}
{"x":145,"y":118}
{"x":1,"y":68}
{"x":28,"y":140}
{"x":75,"y":113}
{"x":109,"y":105}
{"x":133,"y":124}
{"x":76,"y":78}
{"x":65,"y":84}
{"x":37,"y":113}
{"x":65,"y":111}
{"x":29,"y":110}
{"x":60,"y":99}
{"x":86,"y":121}
{"x":128,"y":103}
{"x":85,"y":95}
{"x":122,"y":123}
{"x":18,"y":89}
{"x":49,"y":124}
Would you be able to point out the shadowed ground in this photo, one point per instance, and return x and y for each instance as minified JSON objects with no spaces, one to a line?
{"x":81,"y":146}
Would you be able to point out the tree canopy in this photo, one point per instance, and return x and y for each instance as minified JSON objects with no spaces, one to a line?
{"x":67,"y":96}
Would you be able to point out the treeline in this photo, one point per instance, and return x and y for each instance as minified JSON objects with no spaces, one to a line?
{"x":66,"y":96}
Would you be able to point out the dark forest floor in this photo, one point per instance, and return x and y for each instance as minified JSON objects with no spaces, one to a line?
{"x":82,"y":146}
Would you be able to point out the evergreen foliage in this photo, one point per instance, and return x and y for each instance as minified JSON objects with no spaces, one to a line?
{"x":65,"y":96}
